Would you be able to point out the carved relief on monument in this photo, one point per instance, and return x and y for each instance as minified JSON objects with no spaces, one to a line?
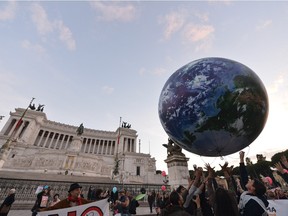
{"x":139,"y":160}
{"x":106,"y":170}
{"x":47,"y":162}
{"x":22,"y":162}
{"x":69,"y":162}
{"x":86,"y":164}
{"x":151,"y":164}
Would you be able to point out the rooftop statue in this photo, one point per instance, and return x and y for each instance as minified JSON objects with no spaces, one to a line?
{"x":80,"y":130}
{"x":40,"y":107}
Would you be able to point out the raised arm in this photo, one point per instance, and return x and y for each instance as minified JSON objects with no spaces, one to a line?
{"x":243,"y":170}
{"x":210,"y":181}
{"x":194,"y":188}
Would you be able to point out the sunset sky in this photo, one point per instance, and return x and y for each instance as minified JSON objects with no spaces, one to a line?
{"x":93,"y":62}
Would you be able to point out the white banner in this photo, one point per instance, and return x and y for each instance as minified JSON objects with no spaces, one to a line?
{"x":99,"y":208}
{"x":277,"y":207}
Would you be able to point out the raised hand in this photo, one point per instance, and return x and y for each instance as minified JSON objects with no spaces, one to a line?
{"x":279,"y":167}
{"x":210,"y":170}
{"x":196,"y":199}
{"x":226,"y":170}
{"x":241,"y":154}
{"x":284,"y":161}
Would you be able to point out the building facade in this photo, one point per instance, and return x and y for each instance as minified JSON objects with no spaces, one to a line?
{"x":40,"y":145}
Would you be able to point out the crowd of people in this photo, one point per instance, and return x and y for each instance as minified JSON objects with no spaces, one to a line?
{"x":241,"y":196}
{"x":204,"y":196}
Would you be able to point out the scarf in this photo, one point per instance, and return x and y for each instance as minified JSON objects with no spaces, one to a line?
{"x":77,"y":200}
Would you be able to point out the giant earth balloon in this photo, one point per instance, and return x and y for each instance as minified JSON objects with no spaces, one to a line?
{"x":213,"y":106}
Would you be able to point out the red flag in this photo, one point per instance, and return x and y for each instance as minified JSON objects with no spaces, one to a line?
{"x":18,"y":124}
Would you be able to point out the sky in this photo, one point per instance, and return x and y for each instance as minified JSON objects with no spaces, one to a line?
{"x":93,"y":62}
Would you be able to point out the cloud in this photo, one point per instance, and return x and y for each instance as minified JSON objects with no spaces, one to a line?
{"x":264,"y":25}
{"x":45,"y":26}
{"x":26,"y":44}
{"x":40,"y":19}
{"x":196,"y":33}
{"x":112,"y":11}
{"x":183,"y":22}
{"x":173,"y":23}
{"x":8,"y":13}
{"x":107,"y":89}
{"x":66,"y":36}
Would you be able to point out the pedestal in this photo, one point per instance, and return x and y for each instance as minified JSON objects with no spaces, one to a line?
{"x":72,"y":152}
{"x":75,"y":145}
{"x":177,"y":170}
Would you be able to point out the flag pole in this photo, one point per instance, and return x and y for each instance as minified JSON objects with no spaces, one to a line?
{"x":116,"y":167}
{"x":118,"y":138}
{"x":6,"y":146}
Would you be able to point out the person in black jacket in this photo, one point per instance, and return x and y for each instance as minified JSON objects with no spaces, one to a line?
{"x":151,"y":200}
{"x":176,"y":206}
{"x":133,"y":204}
{"x":252,"y":202}
{"x":6,"y":205}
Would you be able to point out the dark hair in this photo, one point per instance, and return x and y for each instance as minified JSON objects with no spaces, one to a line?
{"x":260,"y":188}
{"x":178,"y":190}
{"x":56,"y":195}
{"x":225,"y":203}
{"x":174,"y":198}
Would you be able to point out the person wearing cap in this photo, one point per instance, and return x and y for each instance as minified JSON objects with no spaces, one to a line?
{"x":6,"y":205}
{"x":43,"y":200}
{"x":73,"y":199}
